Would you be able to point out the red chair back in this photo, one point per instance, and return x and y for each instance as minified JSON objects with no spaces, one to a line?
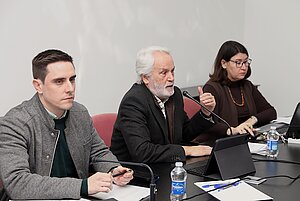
{"x":190,"y":107}
{"x":104,"y":124}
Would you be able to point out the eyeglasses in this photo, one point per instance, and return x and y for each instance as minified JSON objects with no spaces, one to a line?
{"x":239,"y":64}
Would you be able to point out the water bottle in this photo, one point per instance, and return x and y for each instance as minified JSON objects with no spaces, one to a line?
{"x":178,"y":187}
{"x":272,"y":142}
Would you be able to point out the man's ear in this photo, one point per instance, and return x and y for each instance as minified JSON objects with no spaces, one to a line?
{"x":145,"y":79}
{"x":38,"y":85}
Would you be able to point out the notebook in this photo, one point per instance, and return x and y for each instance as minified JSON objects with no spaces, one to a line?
{"x":230,"y":158}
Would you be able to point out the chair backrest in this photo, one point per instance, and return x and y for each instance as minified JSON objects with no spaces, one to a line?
{"x":104,"y":124}
{"x":190,"y":107}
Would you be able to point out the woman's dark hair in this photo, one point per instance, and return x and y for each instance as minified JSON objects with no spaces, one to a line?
{"x":226,"y":52}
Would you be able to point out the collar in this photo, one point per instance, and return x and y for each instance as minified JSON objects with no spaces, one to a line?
{"x":160,"y":102}
{"x":53,"y":116}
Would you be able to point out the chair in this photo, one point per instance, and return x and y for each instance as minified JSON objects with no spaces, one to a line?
{"x":104,"y":124}
{"x":190,"y":107}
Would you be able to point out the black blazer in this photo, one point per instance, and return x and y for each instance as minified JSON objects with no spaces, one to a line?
{"x":141,"y":132}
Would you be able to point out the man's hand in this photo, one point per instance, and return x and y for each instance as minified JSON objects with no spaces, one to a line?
{"x":99,"y":182}
{"x":199,"y":150}
{"x":208,"y":100}
{"x":122,"y":179}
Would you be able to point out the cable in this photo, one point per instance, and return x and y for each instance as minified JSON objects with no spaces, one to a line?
{"x":287,"y":176}
{"x":278,"y":161}
{"x":275,"y":160}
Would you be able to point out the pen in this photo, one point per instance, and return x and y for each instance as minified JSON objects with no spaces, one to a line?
{"x":145,"y":198}
{"x":216,"y":185}
{"x":121,"y":173}
{"x":221,"y":186}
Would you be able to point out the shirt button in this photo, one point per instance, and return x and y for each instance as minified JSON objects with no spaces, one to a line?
{"x":52,"y":134}
{"x":47,"y":157}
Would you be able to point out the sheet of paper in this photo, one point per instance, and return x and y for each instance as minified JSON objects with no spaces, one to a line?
{"x":125,"y":193}
{"x":258,"y":148}
{"x":238,"y":191}
{"x":286,"y":119}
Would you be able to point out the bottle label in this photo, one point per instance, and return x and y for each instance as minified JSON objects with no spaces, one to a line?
{"x":178,"y":187}
{"x":272,"y":145}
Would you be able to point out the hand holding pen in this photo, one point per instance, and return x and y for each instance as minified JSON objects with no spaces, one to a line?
{"x":103,"y":182}
{"x":121,"y":175}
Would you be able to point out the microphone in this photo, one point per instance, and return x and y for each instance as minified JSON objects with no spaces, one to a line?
{"x":186,"y":94}
{"x":152,"y":182}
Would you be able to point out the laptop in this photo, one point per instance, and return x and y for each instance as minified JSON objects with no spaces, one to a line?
{"x":291,"y":130}
{"x":280,"y":127}
{"x":230,"y":158}
{"x":294,"y":127}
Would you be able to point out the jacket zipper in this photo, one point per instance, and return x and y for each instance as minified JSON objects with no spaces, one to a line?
{"x":54,"y":152}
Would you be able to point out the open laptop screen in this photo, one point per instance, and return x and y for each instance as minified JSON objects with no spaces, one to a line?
{"x":291,"y":130}
{"x":294,"y":127}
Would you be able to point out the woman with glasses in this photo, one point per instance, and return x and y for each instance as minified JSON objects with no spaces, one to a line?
{"x":238,"y":101}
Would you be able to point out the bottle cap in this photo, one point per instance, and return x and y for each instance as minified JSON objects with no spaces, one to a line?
{"x":178,"y":164}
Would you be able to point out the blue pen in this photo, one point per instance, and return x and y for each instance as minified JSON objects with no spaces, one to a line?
{"x":221,"y":186}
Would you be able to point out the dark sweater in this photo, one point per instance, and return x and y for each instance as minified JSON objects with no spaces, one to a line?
{"x":254,"y":105}
{"x":63,"y":165}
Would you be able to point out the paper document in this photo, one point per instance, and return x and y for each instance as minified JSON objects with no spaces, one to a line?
{"x":237,"y":191}
{"x":125,"y":193}
{"x":121,"y":193}
{"x":286,"y":120}
{"x":258,"y":148}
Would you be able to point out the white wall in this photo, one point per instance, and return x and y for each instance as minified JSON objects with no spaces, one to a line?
{"x":272,"y":35}
{"x":103,"y":36}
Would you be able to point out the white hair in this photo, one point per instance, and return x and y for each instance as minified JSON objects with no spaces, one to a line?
{"x":145,"y":61}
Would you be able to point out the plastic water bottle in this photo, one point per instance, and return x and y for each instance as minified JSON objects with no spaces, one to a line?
{"x":272,"y":142}
{"x":178,"y":177}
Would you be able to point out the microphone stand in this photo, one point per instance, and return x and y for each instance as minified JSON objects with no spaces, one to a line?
{"x":186,"y":94}
{"x":153,"y":189}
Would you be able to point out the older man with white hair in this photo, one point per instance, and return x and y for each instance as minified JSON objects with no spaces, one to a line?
{"x":151,"y":125}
